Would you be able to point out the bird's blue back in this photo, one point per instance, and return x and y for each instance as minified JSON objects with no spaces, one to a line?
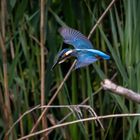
{"x":75,"y":38}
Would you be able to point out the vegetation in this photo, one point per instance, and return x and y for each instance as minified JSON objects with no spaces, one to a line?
{"x":29,"y":42}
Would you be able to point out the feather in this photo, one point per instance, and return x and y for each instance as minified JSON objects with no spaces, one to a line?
{"x":75,"y":38}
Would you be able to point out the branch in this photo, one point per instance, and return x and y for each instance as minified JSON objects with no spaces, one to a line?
{"x":101,"y":17}
{"x":78,"y":121}
{"x":54,"y":96}
{"x":42,"y":42}
{"x":119,"y":90}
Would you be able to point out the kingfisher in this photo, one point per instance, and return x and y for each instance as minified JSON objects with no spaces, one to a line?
{"x":83,"y":49}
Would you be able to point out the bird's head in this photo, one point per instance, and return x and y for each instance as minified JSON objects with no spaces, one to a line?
{"x":63,"y":56}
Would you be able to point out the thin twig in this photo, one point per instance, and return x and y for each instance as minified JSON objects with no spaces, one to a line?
{"x":54,"y":96}
{"x":81,"y":120}
{"x":21,"y":127}
{"x":101,"y":17}
{"x":40,"y":107}
{"x":25,"y":113}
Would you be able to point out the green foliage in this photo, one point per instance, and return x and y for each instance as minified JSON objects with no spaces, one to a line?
{"x":118,"y":35}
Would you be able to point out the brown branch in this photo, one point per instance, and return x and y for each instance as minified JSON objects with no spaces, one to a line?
{"x":42,"y":51}
{"x":119,"y":90}
{"x":54,"y":96}
{"x":42,"y":42}
{"x":101,"y":17}
{"x":77,"y":121}
{"x":20,"y":118}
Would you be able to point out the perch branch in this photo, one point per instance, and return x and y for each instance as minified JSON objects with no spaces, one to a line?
{"x":119,"y":90}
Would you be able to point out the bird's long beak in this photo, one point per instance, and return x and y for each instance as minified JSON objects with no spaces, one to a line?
{"x":61,"y":60}
{"x":55,"y":63}
{"x":58,"y":62}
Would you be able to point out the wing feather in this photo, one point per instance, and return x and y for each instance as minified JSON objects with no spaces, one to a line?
{"x":84,"y":60}
{"x":75,"y":38}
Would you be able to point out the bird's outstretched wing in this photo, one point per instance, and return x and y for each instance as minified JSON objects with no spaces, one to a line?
{"x":84,"y":60}
{"x":75,"y":38}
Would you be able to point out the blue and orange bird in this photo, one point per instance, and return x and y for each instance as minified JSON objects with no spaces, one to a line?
{"x":83,"y":49}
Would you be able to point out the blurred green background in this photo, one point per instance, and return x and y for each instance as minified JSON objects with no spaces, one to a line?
{"x":20,"y":61}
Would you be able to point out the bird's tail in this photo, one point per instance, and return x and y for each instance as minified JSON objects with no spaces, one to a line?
{"x":101,"y":55}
